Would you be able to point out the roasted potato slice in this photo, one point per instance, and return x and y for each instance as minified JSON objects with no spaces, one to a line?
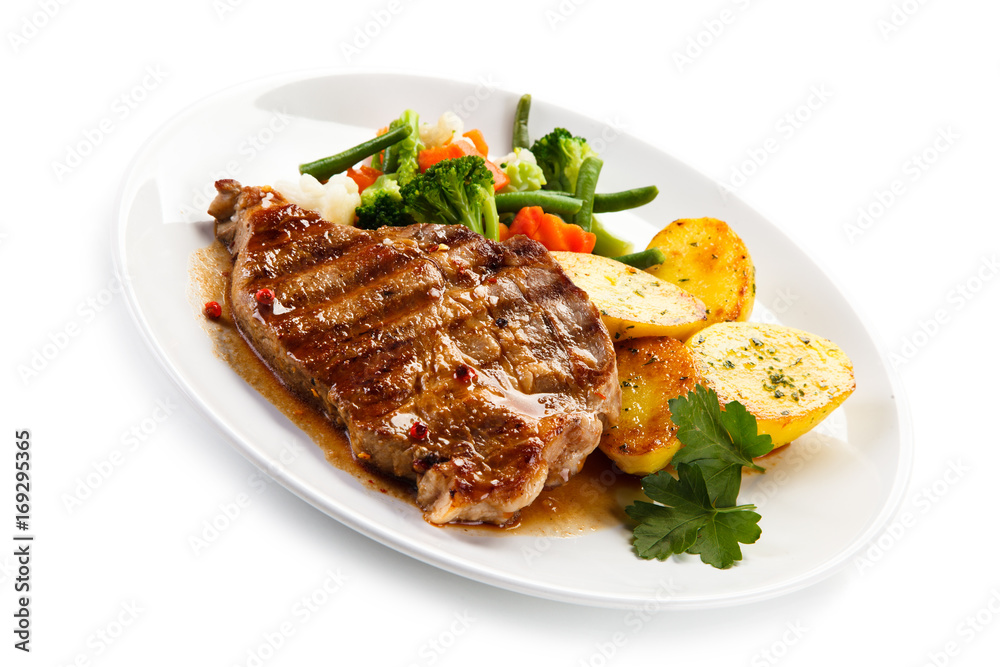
{"x":708,"y":259}
{"x":633,"y":303}
{"x":788,"y":379}
{"x":651,"y":372}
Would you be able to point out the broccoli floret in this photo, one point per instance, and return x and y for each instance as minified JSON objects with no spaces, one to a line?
{"x":560,"y":155}
{"x":382,"y":205}
{"x":457,"y":191}
{"x":522,"y":170}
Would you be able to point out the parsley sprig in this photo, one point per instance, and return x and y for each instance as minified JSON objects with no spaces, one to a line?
{"x":696,"y":512}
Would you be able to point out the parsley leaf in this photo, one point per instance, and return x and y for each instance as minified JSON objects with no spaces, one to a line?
{"x":696,"y":512}
{"x":686,"y":521}
{"x":721,"y":442}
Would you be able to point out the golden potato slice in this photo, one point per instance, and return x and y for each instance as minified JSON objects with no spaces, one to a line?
{"x":708,"y":259}
{"x":788,"y":379}
{"x":651,"y":372}
{"x":633,"y":303}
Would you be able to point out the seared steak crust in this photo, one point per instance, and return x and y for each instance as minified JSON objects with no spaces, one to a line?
{"x":476,"y":369}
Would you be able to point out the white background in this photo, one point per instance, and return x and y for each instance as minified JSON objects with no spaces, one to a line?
{"x":885,"y":78}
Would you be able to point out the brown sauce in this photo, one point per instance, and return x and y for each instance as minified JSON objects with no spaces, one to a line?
{"x":593,"y":499}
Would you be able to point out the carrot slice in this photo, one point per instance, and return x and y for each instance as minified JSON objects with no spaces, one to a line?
{"x":431,"y":156}
{"x":551,"y":231}
{"x":499,"y":177}
{"x":363,"y":176}
{"x":526,"y":221}
{"x":477,"y":139}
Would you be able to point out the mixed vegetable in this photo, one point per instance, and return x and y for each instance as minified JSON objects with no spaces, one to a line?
{"x":546,"y":190}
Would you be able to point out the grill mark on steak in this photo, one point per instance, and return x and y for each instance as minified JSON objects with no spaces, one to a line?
{"x":358,"y":310}
{"x":310,"y":286}
{"x":484,"y":342}
{"x":372,"y":325}
{"x":393,"y":284}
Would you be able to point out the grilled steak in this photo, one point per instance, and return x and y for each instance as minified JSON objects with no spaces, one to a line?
{"x":474,"y":368}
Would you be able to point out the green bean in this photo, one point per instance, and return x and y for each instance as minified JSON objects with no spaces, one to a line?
{"x":328,"y":166}
{"x":608,"y":245}
{"x":549,"y":201}
{"x":390,"y":159}
{"x":521,"y":138}
{"x":643,"y":259}
{"x":626,"y":199}
{"x":586,"y":183}
{"x":609,"y":202}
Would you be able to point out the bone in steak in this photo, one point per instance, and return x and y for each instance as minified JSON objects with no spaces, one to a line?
{"x":476,"y":369}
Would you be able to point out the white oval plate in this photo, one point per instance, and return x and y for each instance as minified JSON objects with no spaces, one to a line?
{"x":822,"y":501}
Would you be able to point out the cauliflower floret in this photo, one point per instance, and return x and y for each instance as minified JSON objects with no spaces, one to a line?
{"x":334,"y":200}
{"x":523,"y":171}
{"x":448,"y":126}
